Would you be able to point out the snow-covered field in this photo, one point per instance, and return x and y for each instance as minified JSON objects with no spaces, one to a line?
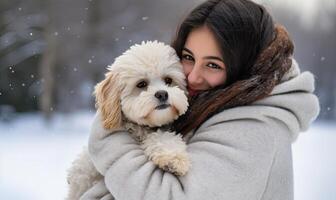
{"x":34,"y":157}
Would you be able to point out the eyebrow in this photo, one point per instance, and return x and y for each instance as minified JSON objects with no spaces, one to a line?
{"x":206,"y":57}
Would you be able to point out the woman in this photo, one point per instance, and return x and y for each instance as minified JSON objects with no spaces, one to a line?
{"x":249,"y":102}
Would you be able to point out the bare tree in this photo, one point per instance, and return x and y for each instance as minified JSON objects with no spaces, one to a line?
{"x":46,"y":69}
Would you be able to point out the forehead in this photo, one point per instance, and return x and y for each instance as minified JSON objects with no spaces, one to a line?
{"x":144,"y":70}
{"x":202,"y":42}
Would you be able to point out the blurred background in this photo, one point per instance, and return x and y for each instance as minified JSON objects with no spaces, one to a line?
{"x":53,"y":52}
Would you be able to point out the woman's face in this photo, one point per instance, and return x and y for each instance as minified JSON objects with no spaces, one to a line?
{"x":202,"y":62}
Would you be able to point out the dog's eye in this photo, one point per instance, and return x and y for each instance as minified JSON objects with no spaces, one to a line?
{"x":142,"y":84}
{"x":168,"y":80}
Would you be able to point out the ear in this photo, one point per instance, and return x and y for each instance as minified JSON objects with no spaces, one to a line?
{"x":107,"y":94}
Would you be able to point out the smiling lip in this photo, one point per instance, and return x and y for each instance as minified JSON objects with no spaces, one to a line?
{"x":192,"y":91}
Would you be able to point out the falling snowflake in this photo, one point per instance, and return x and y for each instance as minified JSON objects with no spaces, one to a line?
{"x":19,"y":9}
{"x":56,"y":33}
{"x":71,"y":91}
{"x":123,"y":28}
{"x":328,"y":108}
{"x":23,"y":85}
{"x":51,"y":109}
{"x":129,"y":40}
{"x":89,"y":61}
{"x":32,"y":76}
{"x":10,"y":68}
{"x":117,"y":39}
{"x":323,"y":58}
{"x":13,"y":71}
{"x":31,"y":34}
{"x":145,"y":18}
{"x":75,"y":69}
{"x":68,"y":28}
{"x":0,"y":93}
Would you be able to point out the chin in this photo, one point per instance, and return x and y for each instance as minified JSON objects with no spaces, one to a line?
{"x":161,"y":117}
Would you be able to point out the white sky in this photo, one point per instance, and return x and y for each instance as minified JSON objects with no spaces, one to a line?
{"x":311,"y":13}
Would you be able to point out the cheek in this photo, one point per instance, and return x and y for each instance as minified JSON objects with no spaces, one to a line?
{"x":216,"y":79}
{"x":186,"y":68}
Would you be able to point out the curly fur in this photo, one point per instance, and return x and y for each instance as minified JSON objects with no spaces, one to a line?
{"x":121,"y":104}
{"x":82,"y":175}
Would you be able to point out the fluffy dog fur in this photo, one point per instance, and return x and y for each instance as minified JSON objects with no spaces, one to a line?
{"x":143,"y":90}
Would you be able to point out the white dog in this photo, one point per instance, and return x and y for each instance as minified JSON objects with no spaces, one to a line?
{"x":144,"y":89}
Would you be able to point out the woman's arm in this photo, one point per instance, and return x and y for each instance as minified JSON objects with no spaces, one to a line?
{"x":230,"y":160}
{"x":97,"y":192}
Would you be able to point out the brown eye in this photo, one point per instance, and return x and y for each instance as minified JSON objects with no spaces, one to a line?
{"x":168,"y":80}
{"x":214,"y":66}
{"x":187,"y":57}
{"x":142,"y":84}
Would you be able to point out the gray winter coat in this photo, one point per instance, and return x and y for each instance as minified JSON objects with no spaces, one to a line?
{"x":241,"y":153}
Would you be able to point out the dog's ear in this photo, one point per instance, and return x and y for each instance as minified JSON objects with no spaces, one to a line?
{"x":107,"y":94}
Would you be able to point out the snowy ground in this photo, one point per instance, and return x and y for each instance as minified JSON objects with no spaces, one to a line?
{"x":34,"y":157}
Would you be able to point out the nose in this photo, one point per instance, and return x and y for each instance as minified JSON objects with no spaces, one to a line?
{"x":195,"y":76}
{"x":161,"y":95}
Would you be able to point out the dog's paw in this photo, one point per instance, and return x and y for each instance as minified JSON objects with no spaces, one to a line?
{"x":168,"y":151}
{"x":176,"y":163}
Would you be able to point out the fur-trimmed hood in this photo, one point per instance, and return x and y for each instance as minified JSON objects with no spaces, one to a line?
{"x":294,"y":96}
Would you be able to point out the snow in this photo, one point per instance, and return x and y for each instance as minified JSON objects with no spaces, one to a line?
{"x":35,"y":154}
{"x":145,"y":18}
{"x":315,"y":163}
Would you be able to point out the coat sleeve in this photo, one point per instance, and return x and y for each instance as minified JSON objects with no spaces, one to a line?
{"x":97,"y":192}
{"x":230,"y":160}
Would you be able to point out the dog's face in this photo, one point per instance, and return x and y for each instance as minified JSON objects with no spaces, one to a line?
{"x":146,"y":84}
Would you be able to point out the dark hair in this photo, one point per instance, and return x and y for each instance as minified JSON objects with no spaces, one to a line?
{"x":243,"y":29}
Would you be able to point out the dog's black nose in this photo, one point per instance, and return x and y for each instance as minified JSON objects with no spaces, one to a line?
{"x":161,"y":95}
